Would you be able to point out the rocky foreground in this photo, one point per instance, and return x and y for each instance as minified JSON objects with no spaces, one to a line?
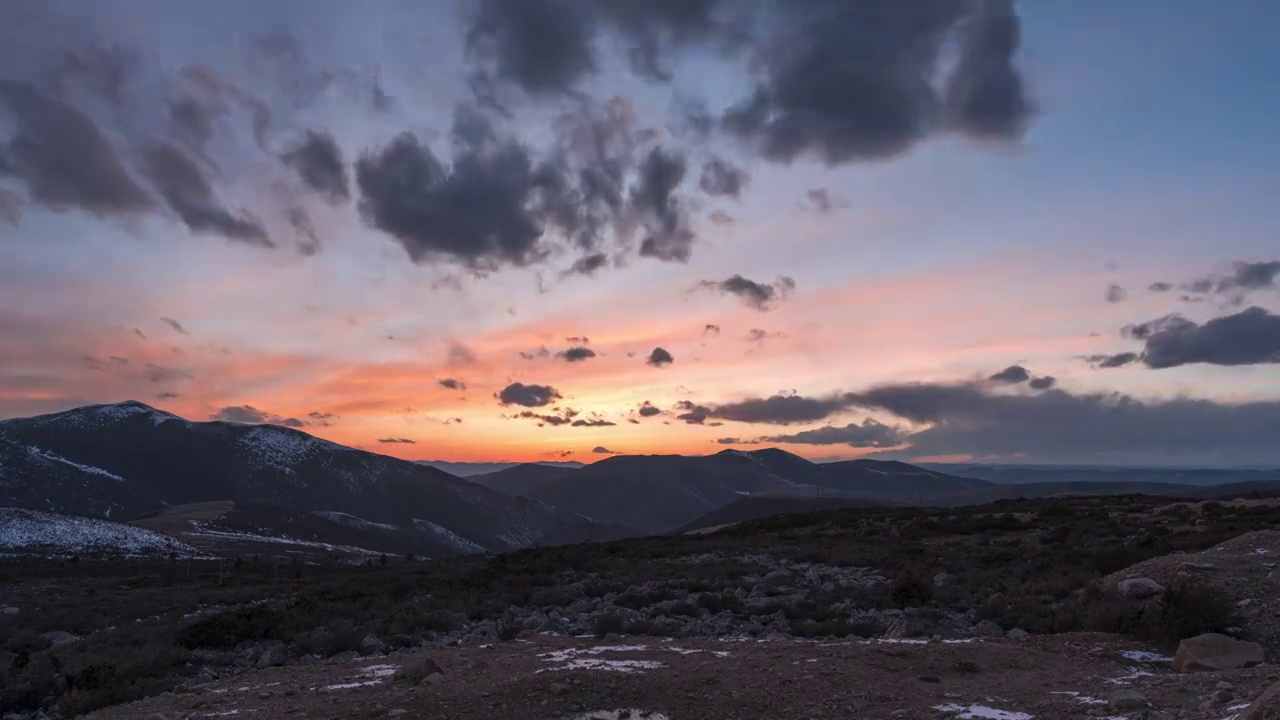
{"x":1064,"y":676}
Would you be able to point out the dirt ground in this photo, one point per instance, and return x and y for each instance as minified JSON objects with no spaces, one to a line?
{"x":1064,"y":676}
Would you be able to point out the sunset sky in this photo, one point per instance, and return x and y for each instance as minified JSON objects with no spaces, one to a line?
{"x":1032,"y":232}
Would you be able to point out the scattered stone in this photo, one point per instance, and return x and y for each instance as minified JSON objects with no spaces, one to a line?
{"x":1125,"y":700}
{"x":1224,"y":685}
{"x":1264,"y":705}
{"x":1221,"y":697}
{"x":1017,"y":634}
{"x":1212,"y":651}
{"x":435,"y":678}
{"x":273,"y":656}
{"x":397,"y":712}
{"x":559,"y":689}
{"x":59,"y":638}
{"x":372,"y":644}
{"x":417,"y":670}
{"x":1139,"y":588}
{"x":8,"y":611}
{"x":943,"y":579}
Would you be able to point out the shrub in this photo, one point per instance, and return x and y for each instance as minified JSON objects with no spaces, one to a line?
{"x":909,"y":587}
{"x":508,"y":630}
{"x":1186,"y":609}
{"x":606,"y":624}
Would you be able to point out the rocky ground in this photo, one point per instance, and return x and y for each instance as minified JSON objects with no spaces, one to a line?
{"x":1076,"y":675}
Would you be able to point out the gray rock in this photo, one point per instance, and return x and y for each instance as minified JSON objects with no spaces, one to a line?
{"x":1017,"y":634}
{"x":273,"y":656}
{"x":372,"y":644}
{"x":435,"y":678}
{"x":909,"y":626}
{"x":1125,"y":700}
{"x":987,"y":628}
{"x":397,"y":712}
{"x":943,"y":579}
{"x":9,"y":611}
{"x":1212,"y":651}
{"x":1139,"y":588}
{"x":58,"y":638}
{"x":1223,"y":685}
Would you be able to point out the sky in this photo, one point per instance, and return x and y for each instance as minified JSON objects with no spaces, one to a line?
{"x":476,"y":230}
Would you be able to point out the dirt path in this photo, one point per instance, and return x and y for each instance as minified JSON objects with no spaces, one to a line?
{"x":548,"y":678}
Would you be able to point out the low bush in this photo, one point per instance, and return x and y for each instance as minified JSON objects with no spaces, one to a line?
{"x":910,"y":588}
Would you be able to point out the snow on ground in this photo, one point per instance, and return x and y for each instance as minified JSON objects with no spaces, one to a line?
{"x":283,"y":448}
{"x":32,"y":530}
{"x":1145,"y":657}
{"x":83,"y":468}
{"x":200,"y":530}
{"x":353,"y":521}
{"x":462,"y":544}
{"x":982,"y":712}
{"x":573,"y":659}
{"x":369,"y":675}
{"x":624,"y":714}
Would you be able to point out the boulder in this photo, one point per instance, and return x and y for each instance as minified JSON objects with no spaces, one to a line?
{"x":943,"y":579}
{"x":8,"y":612}
{"x":1126,"y":700}
{"x":1212,"y":651}
{"x":1139,"y":588}
{"x":58,"y":638}
{"x":273,"y":656}
{"x":417,"y":670}
{"x":1017,"y":634}
{"x":1274,"y":577}
{"x":371,"y":644}
{"x":987,"y":628}
{"x":1265,"y":704}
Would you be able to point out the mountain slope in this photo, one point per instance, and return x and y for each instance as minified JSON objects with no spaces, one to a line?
{"x":521,"y":479}
{"x":760,"y":507}
{"x":892,"y":477}
{"x":165,"y":460}
{"x":32,"y":477}
{"x":34,"y":532}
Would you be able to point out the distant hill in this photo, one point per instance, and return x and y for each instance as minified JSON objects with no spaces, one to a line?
{"x":758,"y":507}
{"x":471,"y":469}
{"x":659,"y":493}
{"x":122,"y":460}
{"x":1020,"y":474}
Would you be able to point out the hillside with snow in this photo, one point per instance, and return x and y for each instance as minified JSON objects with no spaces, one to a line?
{"x":33,"y":532}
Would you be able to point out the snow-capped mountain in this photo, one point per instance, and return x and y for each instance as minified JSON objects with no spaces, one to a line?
{"x":123,"y":460}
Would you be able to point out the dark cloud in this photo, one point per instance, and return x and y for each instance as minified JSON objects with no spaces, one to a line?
{"x":451,"y":383}
{"x":692,"y":413}
{"x":459,"y":354}
{"x":576,"y":354}
{"x":157,"y":374}
{"x":1249,"y":337}
{"x":300,"y":221}
{"x":483,"y":210}
{"x":756,"y":295}
{"x":323,"y":419}
{"x":1113,"y":361}
{"x":722,"y":178}
{"x":119,"y":360}
{"x":1247,"y":276}
{"x":177,"y":326}
{"x":757,"y":335}
{"x":870,"y":434}
{"x":1116,"y":294}
{"x":1043,"y":383}
{"x":588,"y":264}
{"x":401,"y":441}
{"x":659,"y":357}
{"x":552,"y":420}
{"x":782,"y":409}
{"x":543,"y":46}
{"x":732,"y":441}
{"x":602,"y":450}
{"x":1160,"y":287}
{"x":317,"y":160}
{"x":541,"y":352}
{"x":166,"y":396}
{"x":592,"y":422}
{"x":721,"y":218}
{"x":528,"y":395}
{"x":188,"y":193}
{"x":1012,"y":374}
{"x":821,"y":201}
{"x":851,"y":80}
{"x":711,"y":329}
{"x":1057,"y":426}
{"x":578,"y":339}
{"x":249,"y":415}
{"x":647,"y":409}
{"x":653,"y":198}
{"x":64,"y":158}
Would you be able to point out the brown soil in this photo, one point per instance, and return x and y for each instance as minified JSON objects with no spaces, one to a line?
{"x":1050,"y":677}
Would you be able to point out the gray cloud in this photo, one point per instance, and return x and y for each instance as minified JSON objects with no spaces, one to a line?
{"x":249,"y":415}
{"x":528,"y":395}
{"x":576,"y":354}
{"x":1160,"y":287}
{"x":783,"y":409}
{"x":721,"y":218}
{"x":602,"y":450}
{"x":870,"y":434}
{"x":755,"y":294}
{"x":654,"y":199}
{"x":64,"y":158}
{"x":188,"y":193}
{"x":451,"y":383}
{"x":177,"y":326}
{"x":1116,"y":294}
{"x":1013,"y":374}
{"x":821,"y":201}
{"x":711,"y":329}
{"x":1043,"y":383}
{"x":317,"y":160}
{"x":648,"y":409}
{"x":692,"y":413}
{"x":541,"y":352}
{"x":732,"y":441}
{"x":1057,"y":426}
{"x":1113,"y":361}
{"x":722,"y":178}
{"x":588,"y":264}
{"x":459,"y":354}
{"x":659,"y":357}
{"x":1249,"y":337}
{"x":401,"y":441}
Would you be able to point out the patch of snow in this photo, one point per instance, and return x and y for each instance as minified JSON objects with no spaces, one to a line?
{"x":82,"y":468}
{"x":284,"y":448}
{"x":380,"y":671}
{"x":30,"y":530}
{"x":572,"y":659}
{"x":1129,"y":677}
{"x":969,"y":712}
{"x":352,"y":521}
{"x":202,"y":531}
{"x":1260,"y":551}
{"x":348,"y":686}
{"x":625,"y":714}
{"x":449,"y":536}
{"x":1146,"y":657}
